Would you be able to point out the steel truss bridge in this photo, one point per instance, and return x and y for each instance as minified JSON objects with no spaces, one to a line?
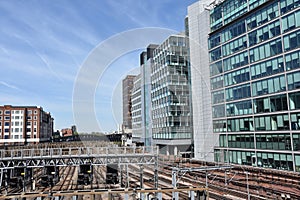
{"x":75,"y":156}
{"x":71,"y":156}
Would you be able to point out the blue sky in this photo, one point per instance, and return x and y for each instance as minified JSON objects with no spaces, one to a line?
{"x":43,"y":45}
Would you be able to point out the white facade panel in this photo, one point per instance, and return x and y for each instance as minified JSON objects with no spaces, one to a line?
{"x":204,"y":139}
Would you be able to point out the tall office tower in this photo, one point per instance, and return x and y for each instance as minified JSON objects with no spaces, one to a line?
{"x":141,"y":97}
{"x":170,"y":96}
{"x":198,"y":26}
{"x":254,"y":62}
{"x":146,"y":60}
{"x":127,"y":89}
{"x":24,"y":124}
{"x":136,"y":109}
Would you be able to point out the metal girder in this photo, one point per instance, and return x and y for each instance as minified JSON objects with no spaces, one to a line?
{"x":77,"y":156}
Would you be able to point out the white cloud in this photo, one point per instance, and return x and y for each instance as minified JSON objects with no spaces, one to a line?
{"x":9,"y":85}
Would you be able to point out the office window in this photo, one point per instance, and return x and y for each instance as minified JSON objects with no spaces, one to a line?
{"x":233,"y":31}
{"x":296,"y":141}
{"x":266,"y":50}
{"x":217,"y":82}
{"x":240,"y":157}
{"x":266,"y":68}
{"x":6,"y":124}
{"x":218,"y":97}
{"x":215,"y":54}
{"x":232,"y":9}
{"x":7,"y":112}
{"x":222,"y":141}
{"x":239,"y":108}
{"x":287,"y":5}
{"x":240,"y":125}
{"x":235,"y":61}
{"x":270,"y":104}
{"x":294,"y":100}
{"x":236,"y":77}
{"x":292,"y":60}
{"x":293,"y":80}
{"x":275,"y":161}
{"x":291,"y":21}
{"x":219,"y":126}
{"x":264,"y":33}
{"x":273,"y":141}
{"x":216,"y":68}
{"x":291,"y":41}
{"x":214,"y":41}
{"x":272,"y":123}
{"x":295,"y":121}
{"x":269,"y":86}
{"x":241,"y":141}
{"x":219,"y":111}
{"x":234,"y":46}
{"x":262,"y":16}
{"x":216,"y":18}
{"x":238,"y":92}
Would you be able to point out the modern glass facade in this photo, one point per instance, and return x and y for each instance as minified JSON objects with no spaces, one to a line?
{"x":254,"y":49}
{"x":141,"y":99}
{"x":136,"y":109}
{"x":170,"y":94}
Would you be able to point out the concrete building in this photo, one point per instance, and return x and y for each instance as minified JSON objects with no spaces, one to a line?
{"x":136,"y":109}
{"x":127,"y":86}
{"x":254,"y":58}
{"x":170,"y":96}
{"x":142,"y":124}
{"x":24,"y":124}
{"x":146,"y":61}
{"x":198,"y":30}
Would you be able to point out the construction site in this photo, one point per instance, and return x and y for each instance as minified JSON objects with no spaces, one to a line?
{"x":101,"y":170}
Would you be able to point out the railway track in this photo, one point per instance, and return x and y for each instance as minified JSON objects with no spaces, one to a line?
{"x":262,"y":183}
{"x":222,"y":184}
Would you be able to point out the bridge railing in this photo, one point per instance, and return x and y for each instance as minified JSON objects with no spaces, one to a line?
{"x":73,"y":151}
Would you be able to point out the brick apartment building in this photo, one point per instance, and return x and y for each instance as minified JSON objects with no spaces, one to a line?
{"x":24,"y":124}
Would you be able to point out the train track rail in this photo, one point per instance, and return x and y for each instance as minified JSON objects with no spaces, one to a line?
{"x":223,"y":184}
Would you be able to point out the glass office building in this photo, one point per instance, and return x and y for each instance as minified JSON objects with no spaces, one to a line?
{"x":170,"y":96}
{"x":254,"y":62}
